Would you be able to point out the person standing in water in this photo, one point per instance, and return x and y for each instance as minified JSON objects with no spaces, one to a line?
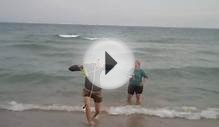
{"x":90,"y":91}
{"x":136,"y":83}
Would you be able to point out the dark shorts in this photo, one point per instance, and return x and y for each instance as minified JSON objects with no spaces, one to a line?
{"x":135,"y":89}
{"x":96,"y":95}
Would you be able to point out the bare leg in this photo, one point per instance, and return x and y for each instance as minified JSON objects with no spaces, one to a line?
{"x":97,"y":110}
{"x":138,"y":99}
{"x":88,"y":110}
{"x":129,"y":99}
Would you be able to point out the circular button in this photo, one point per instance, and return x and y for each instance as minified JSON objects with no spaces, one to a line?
{"x":108,"y":64}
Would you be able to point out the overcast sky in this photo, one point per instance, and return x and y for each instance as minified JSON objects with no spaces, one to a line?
{"x":176,"y":13}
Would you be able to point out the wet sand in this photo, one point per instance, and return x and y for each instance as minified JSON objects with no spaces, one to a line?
{"x":77,"y":119}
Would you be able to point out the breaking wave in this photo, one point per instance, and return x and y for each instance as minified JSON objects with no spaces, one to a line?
{"x":68,"y":35}
{"x":191,"y":113}
{"x":91,"y":38}
{"x":79,"y":37}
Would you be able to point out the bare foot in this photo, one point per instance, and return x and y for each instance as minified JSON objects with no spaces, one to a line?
{"x":91,"y":123}
{"x":96,"y":116}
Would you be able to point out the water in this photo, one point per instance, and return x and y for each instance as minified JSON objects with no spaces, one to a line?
{"x":182,"y":64}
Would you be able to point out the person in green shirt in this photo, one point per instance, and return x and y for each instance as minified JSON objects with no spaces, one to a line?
{"x":136,"y":83}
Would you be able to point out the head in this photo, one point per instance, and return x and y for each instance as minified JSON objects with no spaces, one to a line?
{"x":137,"y":64}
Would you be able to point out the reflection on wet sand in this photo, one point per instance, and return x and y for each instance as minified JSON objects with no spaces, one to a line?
{"x":136,"y":121}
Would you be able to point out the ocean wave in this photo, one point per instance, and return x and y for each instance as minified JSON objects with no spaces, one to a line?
{"x":31,"y":45}
{"x":191,"y":113}
{"x":195,"y":69}
{"x":80,"y":37}
{"x":95,"y":38}
{"x":91,"y":38}
{"x":68,"y":35}
{"x":167,"y":40}
{"x":38,"y":76}
{"x":41,"y":75}
{"x":14,"y":106}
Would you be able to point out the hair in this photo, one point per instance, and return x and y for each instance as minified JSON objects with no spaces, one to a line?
{"x":138,"y":62}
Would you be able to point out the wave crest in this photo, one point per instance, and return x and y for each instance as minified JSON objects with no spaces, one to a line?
{"x":14,"y":106}
{"x":68,"y":35}
{"x":91,"y":38}
{"x":80,"y":37}
{"x":191,"y":113}
{"x":95,"y":38}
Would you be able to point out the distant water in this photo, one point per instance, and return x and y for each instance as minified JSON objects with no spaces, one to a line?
{"x":182,"y":64}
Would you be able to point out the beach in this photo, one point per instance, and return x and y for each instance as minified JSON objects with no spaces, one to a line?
{"x":69,"y":119}
{"x":37,"y":89}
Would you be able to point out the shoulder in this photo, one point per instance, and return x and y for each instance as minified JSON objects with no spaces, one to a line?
{"x":142,"y":71}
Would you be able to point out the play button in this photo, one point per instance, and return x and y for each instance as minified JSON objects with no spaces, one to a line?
{"x":108,"y":64}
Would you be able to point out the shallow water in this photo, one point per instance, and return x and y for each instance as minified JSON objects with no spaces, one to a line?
{"x":182,"y":65}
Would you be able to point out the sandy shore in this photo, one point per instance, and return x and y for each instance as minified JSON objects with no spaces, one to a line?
{"x":76,"y":119}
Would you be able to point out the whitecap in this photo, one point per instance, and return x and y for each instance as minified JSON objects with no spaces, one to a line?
{"x":191,"y":113}
{"x":68,"y":35}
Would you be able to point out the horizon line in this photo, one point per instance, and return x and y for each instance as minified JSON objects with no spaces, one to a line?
{"x":150,"y":26}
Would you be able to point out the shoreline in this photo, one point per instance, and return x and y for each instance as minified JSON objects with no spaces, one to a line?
{"x":69,"y":119}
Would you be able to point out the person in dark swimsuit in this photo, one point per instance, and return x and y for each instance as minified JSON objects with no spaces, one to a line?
{"x":90,"y":91}
{"x":136,"y":83}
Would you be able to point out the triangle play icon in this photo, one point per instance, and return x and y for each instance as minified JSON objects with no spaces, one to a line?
{"x":109,"y":63}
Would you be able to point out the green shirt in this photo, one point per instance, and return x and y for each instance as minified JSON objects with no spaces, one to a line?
{"x":137,"y":77}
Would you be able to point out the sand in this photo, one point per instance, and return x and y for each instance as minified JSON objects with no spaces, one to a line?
{"x":77,"y":119}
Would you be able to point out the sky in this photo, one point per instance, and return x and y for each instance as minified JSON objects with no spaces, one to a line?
{"x":165,"y":13}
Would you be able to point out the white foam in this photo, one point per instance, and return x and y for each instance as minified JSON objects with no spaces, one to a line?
{"x":14,"y":106}
{"x":92,"y":38}
{"x":191,"y":113}
{"x":68,"y":35}
{"x":95,"y":38}
{"x":210,"y":113}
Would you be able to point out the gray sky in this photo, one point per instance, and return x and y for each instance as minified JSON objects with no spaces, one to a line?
{"x":176,"y":13}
